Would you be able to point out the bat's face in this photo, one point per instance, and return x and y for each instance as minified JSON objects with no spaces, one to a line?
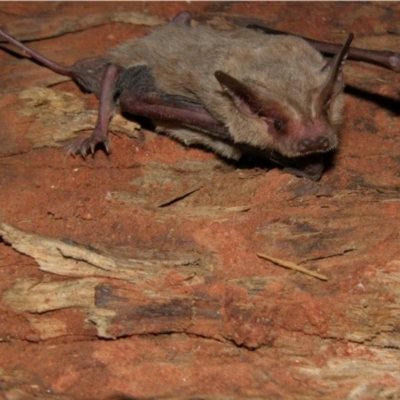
{"x":293,"y":132}
{"x":282,"y":123}
{"x":290,"y":101}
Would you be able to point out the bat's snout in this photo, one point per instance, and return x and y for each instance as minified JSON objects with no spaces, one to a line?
{"x":319,"y":144}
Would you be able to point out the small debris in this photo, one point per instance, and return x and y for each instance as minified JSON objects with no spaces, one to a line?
{"x":177,"y":197}
{"x":295,"y":267}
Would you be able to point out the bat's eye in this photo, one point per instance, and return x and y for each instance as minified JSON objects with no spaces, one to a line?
{"x":325,"y":111}
{"x":278,"y":125}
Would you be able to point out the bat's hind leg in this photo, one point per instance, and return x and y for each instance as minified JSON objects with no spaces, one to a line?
{"x":106,"y":111}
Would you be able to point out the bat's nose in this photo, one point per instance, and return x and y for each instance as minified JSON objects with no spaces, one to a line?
{"x":320,"y":144}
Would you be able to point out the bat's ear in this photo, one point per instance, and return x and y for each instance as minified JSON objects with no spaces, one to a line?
{"x":242,"y":96}
{"x":183,"y":18}
{"x":334,"y":83}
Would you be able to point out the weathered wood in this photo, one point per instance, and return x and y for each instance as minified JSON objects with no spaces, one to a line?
{"x":48,"y":119}
{"x":121,"y":307}
{"x":157,"y":292}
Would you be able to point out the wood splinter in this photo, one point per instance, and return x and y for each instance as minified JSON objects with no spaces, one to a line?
{"x":293,"y":266}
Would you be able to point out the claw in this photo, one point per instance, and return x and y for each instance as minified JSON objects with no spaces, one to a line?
{"x":85,"y":146}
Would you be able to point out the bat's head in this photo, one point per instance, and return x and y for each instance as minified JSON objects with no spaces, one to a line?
{"x":293,"y":123}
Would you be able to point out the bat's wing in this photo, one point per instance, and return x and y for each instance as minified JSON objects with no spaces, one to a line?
{"x":384,"y":58}
{"x":184,"y":112}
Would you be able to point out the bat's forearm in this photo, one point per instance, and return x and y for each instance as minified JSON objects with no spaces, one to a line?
{"x":171,"y":109}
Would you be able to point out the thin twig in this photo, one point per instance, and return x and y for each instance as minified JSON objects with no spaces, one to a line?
{"x":293,"y":266}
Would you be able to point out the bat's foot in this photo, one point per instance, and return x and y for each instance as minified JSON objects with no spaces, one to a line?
{"x":86,"y":146}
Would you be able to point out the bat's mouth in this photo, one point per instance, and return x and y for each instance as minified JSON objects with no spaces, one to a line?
{"x":310,"y":166}
{"x":309,"y":146}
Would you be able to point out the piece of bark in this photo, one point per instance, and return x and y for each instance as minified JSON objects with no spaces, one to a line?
{"x":66,"y":258}
{"x":47,"y":118}
{"x":240,"y":313}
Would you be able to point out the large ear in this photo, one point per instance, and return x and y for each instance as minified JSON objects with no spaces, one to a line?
{"x":183,"y":18}
{"x":242,"y":96}
{"x":334,"y":83}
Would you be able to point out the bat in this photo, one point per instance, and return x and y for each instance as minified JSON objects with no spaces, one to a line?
{"x":233,"y":92}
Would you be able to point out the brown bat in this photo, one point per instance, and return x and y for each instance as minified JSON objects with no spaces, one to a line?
{"x":234,"y":92}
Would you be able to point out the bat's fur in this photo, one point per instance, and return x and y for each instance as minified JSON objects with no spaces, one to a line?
{"x":284,"y":72}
